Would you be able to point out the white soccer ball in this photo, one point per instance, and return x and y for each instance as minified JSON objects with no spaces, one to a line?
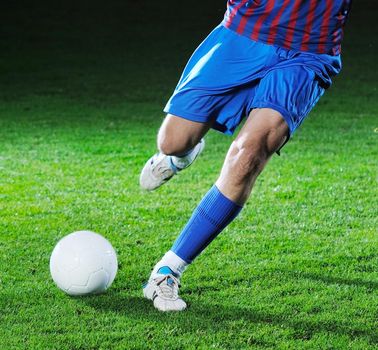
{"x":83,"y":262}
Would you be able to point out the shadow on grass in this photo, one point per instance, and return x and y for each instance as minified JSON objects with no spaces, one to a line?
{"x":214,"y":318}
{"x":328,"y":279}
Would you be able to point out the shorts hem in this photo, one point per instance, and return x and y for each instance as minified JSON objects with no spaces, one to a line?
{"x":186,"y":115}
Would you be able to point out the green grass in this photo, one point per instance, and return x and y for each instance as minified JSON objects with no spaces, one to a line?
{"x":81,"y":92}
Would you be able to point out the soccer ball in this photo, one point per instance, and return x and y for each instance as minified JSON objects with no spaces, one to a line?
{"x":82,"y":263}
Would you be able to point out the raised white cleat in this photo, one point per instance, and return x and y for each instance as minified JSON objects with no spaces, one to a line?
{"x":156,"y":172}
{"x":160,"y":168}
{"x":163,"y":289}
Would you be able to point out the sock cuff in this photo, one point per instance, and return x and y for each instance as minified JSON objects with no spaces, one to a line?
{"x":218,"y":208}
{"x":173,"y":261}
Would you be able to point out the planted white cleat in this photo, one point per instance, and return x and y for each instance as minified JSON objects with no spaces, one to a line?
{"x":162,"y":288}
{"x":160,"y":168}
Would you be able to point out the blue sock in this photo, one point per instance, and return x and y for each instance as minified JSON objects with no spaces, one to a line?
{"x":212,"y":215}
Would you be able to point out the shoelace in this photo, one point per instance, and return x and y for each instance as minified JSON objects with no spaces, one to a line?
{"x":160,"y":166}
{"x":168,"y":286}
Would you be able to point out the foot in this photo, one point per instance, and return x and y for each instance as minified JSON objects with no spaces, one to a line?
{"x":162,"y":288}
{"x":160,"y":168}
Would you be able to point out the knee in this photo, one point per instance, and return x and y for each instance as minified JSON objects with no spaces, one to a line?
{"x":170,"y":145}
{"x":247,"y":159}
{"x":166,"y":146}
{"x":177,"y":136}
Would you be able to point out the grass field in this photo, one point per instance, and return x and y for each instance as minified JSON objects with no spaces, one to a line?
{"x":81,"y":92}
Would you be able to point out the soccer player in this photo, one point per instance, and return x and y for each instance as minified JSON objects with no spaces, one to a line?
{"x":269,"y":60}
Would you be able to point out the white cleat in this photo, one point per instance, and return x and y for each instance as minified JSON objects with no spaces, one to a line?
{"x":156,"y":172}
{"x":159,"y":168}
{"x":162,"y":289}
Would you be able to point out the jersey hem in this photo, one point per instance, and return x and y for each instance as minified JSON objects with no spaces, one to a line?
{"x":332,"y":53}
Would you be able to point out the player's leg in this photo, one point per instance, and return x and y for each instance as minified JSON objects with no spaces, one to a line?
{"x":291,"y":93}
{"x":179,"y":142}
{"x":264,"y":133}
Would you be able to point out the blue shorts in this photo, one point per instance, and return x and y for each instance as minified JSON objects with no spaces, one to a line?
{"x":228,"y":75}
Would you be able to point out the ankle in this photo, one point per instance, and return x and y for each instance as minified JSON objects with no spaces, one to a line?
{"x":184,"y":160}
{"x":173,"y":262}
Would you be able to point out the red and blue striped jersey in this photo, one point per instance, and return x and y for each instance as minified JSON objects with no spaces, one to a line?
{"x":306,"y":25}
